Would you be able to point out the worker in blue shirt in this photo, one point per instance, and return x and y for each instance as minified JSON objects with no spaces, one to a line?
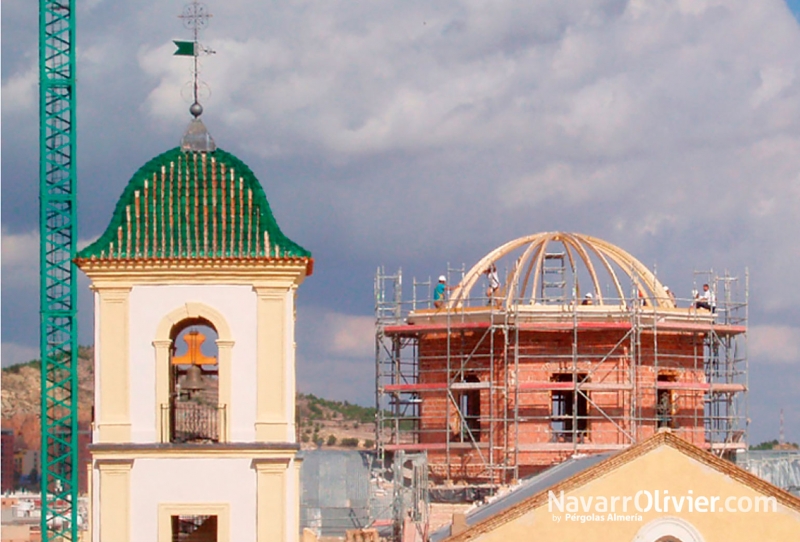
{"x":439,"y":291}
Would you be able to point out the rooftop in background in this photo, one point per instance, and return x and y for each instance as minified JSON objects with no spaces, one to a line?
{"x":663,"y":459}
{"x":526,"y":488}
{"x":778,"y":467}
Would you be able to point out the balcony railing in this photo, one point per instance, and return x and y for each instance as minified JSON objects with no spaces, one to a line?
{"x":187,"y":421}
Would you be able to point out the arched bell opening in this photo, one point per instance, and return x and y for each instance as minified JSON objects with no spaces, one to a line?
{"x":194,"y":409}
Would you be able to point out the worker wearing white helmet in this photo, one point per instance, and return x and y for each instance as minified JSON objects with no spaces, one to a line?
{"x":439,"y":291}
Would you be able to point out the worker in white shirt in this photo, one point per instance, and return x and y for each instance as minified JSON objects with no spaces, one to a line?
{"x":706,"y":299}
{"x":670,"y":295}
{"x":494,"y":283}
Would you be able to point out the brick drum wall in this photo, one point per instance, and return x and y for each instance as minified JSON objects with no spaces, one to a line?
{"x":617,"y":412}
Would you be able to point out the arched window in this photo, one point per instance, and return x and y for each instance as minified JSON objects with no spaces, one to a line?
{"x":668,"y":529}
{"x":194,"y":412}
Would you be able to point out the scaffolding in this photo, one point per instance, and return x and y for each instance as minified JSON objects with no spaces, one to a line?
{"x":495,"y":392}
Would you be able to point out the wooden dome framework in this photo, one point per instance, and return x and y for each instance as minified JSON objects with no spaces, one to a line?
{"x":582,"y":252}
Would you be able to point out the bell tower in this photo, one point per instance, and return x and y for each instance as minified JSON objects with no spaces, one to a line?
{"x":194,"y":291}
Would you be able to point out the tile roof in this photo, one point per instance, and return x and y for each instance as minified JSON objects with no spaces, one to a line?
{"x":527,"y":487}
{"x":193,"y":205}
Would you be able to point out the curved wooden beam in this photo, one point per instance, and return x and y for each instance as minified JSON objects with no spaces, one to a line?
{"x":532,"y":260}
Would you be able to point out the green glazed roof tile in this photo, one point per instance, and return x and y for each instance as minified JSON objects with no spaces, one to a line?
{"x":193,"y":205}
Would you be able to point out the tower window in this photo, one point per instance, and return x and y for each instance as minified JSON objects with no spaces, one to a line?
{"x":569,"y":411}
{"x":470,"y":406}
{"x":194,"y":528}
{"x":666,"y":402}
{"x":465,"y":415}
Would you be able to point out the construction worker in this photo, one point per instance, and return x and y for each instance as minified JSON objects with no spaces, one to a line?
{"x":494,"y":283}
{"x":670,"y":295}
{"x":706,"y":299}
{"x":439,"y":292}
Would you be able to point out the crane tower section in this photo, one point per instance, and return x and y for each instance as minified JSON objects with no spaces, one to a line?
{"x":58,"y":296}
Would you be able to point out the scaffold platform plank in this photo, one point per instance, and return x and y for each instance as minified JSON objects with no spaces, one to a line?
{"x":438,"y":386}
{"x":723,"y":387}
{"x":435,"y":446}
{"x":416,"y":329}
{"x":471,"y":385}
{"x":570,"y":446}
{"x":695,"y":386}
{"x":588,"y":386}
{"x":728,"y":387}
{"x":411,"y":330}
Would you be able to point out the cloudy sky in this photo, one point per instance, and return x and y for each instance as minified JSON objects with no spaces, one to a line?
{"x":415,"y":134}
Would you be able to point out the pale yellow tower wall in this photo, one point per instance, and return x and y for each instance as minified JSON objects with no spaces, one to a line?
{"x":250,"y":478}
{"x":257,"y":351}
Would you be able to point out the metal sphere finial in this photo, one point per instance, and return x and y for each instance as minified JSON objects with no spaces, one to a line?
{"x":196,"y":109}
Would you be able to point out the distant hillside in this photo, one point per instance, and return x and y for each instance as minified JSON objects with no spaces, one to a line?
{"x":320,"y":422}
{"x":21,"y":397}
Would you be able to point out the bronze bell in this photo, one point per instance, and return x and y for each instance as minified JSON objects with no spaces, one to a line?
{"x":194,"y":379}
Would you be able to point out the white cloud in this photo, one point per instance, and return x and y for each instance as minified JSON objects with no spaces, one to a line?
{"x":168,"y":102}
{"x":336,"y":354}
{"x":21,"y":249}
{"x":774,"y":80}
{"x":21,"y":91}
{"x":774,"y":343}
{"x":340,"y":335}
{"x":20,"y":259}
{"x":337,"y":378}
{"x":338,"y":358}
{"x":351,"y":336}
{"x":562,"y":182}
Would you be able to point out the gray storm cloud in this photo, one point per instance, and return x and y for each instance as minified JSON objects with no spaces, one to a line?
{"x":417,"y":133}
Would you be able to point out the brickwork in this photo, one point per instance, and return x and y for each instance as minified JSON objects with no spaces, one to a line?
{"x":620,"y":398}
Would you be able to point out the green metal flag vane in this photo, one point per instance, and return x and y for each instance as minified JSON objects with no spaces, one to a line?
{"x":195,"y":17}
{"x":185,"y":48}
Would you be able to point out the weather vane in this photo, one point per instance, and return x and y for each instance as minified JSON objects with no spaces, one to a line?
{"x":195,"y":17}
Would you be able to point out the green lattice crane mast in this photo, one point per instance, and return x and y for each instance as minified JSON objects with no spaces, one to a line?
{"x":58,"y":295}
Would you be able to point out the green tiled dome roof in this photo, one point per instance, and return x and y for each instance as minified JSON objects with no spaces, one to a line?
{"x":193,"y":205}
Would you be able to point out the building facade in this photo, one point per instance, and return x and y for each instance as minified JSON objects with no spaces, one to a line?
{"x":7,"y":465}
{"x":581,"y":350}
{"x":194,"y":290}
{"x":660,"y":490}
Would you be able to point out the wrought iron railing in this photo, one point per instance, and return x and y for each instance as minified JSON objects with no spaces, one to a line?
{"x":188,"y":421}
